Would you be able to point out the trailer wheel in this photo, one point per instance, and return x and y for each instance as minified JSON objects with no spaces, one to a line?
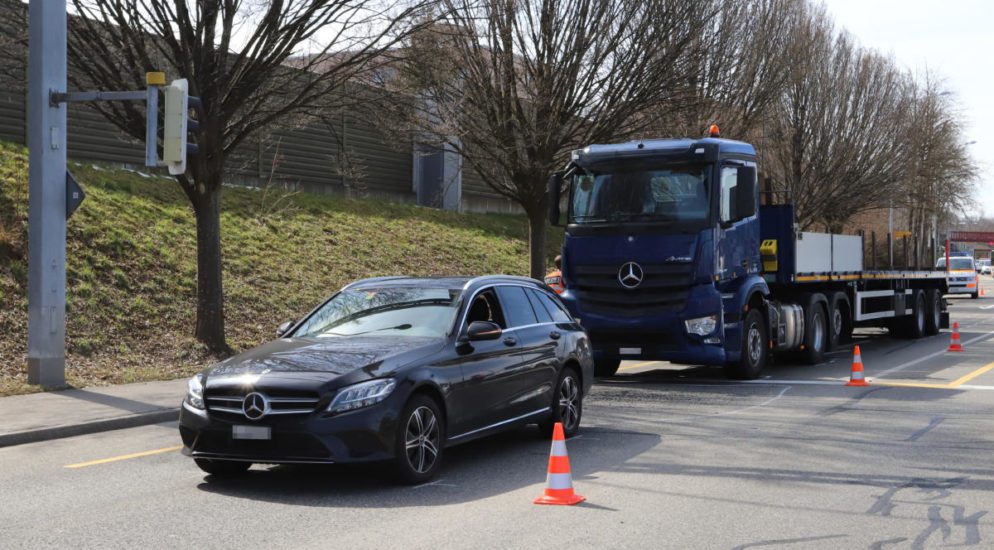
{"x":754,"y":348}
{"x":933,"y":312}
{"x":840,"y":320}
{"x":914,"y":325}
{"x":816,"y":331}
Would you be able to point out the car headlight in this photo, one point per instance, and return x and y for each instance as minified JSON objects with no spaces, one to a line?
{"x":362,"y":394}
{"x":702,"y":326}
{"x":195,"y":391}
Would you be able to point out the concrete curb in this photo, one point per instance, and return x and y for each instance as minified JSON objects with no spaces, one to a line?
{"x":59,"y":432}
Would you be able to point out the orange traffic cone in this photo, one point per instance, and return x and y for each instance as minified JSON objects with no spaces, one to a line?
{"x":954,"y":344}
{"x":856,"y":376}
{"x":981,"y":289}
{"x":559,"y":482}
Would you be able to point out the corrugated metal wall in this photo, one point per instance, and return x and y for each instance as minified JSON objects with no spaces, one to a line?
{"x":341,"y":153}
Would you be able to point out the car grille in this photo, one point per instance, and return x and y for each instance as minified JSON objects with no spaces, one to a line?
{"x":288,"y":403}
{"x":664,"y":288}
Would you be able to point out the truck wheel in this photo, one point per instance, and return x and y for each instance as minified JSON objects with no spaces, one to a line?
{"x":914,"y":325}
{"x":754,"y":348}
{"x":815,"y":332}
{"x":933,"y":312}
{"x":606,"y":367}
{"x":840,"y":318}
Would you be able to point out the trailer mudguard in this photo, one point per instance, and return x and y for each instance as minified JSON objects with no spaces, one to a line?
{"x":735,"y":296}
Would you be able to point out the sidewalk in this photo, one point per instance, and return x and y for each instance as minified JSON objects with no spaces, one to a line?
{"x":56,"y":414}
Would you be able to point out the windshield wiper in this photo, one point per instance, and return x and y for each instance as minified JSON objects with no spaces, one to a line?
{"x":404,"y":326}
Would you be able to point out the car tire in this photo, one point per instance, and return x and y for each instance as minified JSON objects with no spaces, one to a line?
{"x":754,"y":350}
{"x":975,"y":295}
{"x":419,"y":441}
{"x":933,"y":312}
{"x":606,"y":368}
{"x":567,"y":404}
{"x":816,"y":337}
{"x":222,"y":468}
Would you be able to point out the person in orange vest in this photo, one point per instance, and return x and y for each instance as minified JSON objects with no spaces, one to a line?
{"x":554,"y":279}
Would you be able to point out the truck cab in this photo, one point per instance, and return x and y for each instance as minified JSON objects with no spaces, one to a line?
{"x":662,"y":239}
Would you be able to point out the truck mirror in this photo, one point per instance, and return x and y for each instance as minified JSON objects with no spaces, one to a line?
{"x":745,"y":192}
{"x":555,"y":184}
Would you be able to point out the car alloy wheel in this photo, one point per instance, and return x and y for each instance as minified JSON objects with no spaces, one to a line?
{"x":569,"y":397}
{"x":422,"y":439}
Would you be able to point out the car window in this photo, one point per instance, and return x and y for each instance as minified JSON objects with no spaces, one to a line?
{"x":517,"y":308}
{"x":557,"y":312}
{"x":540,"y":312}
{"x":486,"y":307}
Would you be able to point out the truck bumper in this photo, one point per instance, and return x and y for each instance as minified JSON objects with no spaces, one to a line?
{"x":658,"y":337}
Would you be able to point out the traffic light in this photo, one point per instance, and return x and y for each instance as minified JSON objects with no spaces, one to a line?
{"x":177,"y":124}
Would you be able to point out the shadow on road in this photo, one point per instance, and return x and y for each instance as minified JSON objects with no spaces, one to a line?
{"x":496,"y":465}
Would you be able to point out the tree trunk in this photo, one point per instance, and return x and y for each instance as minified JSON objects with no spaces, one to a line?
{"x":210,"y":295}
{"x":536,"y":241}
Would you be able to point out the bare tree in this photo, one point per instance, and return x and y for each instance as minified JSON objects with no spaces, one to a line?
{"x":513,"y":85}
{"x":739,"y":64}
{"x":941,"y":173}
{"x":833,"y":139}
{"x":253,"y":65}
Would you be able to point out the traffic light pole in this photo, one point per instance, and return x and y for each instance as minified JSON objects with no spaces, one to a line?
{"x":46,"y":194}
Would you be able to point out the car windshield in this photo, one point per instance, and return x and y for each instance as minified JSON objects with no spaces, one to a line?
{"x":387,"y":312}
{"x":956,"y":264}
{"x":640,"y":193}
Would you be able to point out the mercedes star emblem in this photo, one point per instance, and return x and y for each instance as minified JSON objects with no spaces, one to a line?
{"x":255,"y":406}
{"x":630,"y":275}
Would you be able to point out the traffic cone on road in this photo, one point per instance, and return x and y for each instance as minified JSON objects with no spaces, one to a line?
{"x":856,"y":376}
{"x":954,"y":344}
{"x":559,"y":481}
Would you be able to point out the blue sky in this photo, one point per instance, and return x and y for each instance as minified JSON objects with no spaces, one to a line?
{"x":952,"y":38}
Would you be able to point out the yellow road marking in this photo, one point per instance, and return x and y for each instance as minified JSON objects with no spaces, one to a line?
{"x":637,"y":365}
{"x":125,"y":457}
{"x":948,"y":386}
{"x":972,"y":375}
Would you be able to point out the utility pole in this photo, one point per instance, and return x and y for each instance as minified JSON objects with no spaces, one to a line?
{"x":46,"y":194}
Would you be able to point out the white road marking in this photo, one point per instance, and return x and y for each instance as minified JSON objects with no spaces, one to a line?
{"x":763,"y":404}
{"x":986,"y":307}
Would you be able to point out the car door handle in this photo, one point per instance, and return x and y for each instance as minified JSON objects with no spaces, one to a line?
{"x":510,"y":341}
{"x":554,"y":335}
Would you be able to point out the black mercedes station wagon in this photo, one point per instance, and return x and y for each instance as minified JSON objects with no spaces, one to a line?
{"x":393,"y":369}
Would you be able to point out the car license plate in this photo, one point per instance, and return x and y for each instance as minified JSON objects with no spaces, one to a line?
{"x":630,"y":351}
{"x":250,"y":432}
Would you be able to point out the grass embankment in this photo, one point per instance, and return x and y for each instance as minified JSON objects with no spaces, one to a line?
{"x":132,"y":266}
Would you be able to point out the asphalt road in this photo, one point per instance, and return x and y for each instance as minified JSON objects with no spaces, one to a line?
{"x":669,"y":457}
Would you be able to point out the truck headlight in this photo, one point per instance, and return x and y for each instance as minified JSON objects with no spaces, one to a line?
{"x":702,"y":326}
{"x":362,"y":394}
{"x":195,"y":392}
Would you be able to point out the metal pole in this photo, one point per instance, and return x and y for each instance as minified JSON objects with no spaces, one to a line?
{"x":46,"y":194}
{"x":890,"y":234}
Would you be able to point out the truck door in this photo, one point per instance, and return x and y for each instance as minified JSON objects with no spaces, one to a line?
{"x":738,"y":236}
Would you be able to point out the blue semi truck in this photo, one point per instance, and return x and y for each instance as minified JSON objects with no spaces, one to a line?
{"x":669,"y":255}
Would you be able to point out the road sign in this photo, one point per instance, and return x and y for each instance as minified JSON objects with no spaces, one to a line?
{"x":971,"y":236}
{"x":902,"y":234}
{"x":74,"y":195}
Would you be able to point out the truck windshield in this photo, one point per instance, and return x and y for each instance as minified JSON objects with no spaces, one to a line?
{"x":643,"y":194}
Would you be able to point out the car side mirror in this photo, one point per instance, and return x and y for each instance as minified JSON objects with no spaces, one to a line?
{"x":483,"y":330}
{"x":745,"y":192}
{"x":555,"y":186}
{"x":284,"y":328}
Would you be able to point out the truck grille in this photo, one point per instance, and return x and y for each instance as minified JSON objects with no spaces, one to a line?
{"x":664,"y":288}
{"x":291,"y":403}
